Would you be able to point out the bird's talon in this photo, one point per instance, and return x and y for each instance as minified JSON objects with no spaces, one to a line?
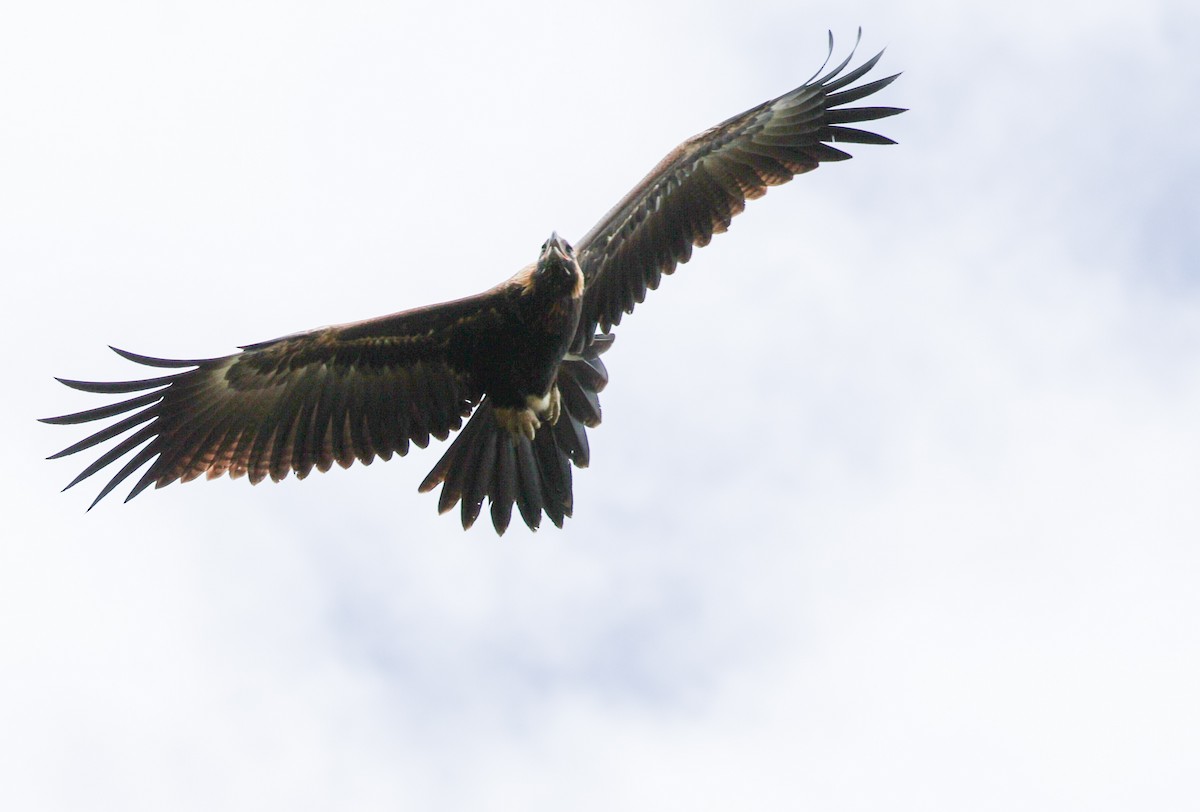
{"x":554,"y":409}
{"x":518,"y":422}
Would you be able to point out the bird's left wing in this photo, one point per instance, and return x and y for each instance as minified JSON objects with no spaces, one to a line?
{"x":704,"y":182}
{"x":336,"y":394}
{"x":692,"y":194}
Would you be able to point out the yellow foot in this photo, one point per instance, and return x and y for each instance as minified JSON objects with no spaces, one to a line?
{"x":553,"y":408}
{"x":527,"y":421}
{"x":518,"y":421}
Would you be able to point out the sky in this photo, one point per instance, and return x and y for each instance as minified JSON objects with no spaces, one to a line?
{"x":894,"y":505}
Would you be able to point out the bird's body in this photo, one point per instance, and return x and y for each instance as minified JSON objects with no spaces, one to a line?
{"x":521,"y":359}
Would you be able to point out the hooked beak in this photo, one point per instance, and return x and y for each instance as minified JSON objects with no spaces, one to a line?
{"x":556,"y":248}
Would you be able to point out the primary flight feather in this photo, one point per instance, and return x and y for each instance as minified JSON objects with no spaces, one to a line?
{"x":521,"y":361}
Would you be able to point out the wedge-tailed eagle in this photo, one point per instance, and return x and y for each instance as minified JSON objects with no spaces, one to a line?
{"x":521,"y":361}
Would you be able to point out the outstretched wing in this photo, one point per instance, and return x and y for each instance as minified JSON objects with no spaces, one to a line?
{"x":701,"y":185}
{"x":692,"y":194}
{"x":336,"y":394}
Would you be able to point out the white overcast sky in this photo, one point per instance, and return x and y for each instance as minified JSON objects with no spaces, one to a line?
{"x":895,"y":504}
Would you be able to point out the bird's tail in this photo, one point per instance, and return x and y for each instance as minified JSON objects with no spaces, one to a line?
{"x":486,"y":461}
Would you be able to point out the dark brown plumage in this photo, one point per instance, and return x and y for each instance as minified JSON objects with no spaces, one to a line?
{"x":522,"y":360}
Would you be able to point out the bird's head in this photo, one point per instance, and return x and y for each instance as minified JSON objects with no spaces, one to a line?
{"x":557,"y":266}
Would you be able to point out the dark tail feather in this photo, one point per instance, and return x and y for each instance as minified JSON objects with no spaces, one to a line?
{"x":535,"y":475}
{"x":485,"y":461}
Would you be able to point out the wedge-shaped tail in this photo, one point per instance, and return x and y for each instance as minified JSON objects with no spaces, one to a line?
{"x":484,"y":461}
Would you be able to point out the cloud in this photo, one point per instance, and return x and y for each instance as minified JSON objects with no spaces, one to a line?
{"x":891,"y":506}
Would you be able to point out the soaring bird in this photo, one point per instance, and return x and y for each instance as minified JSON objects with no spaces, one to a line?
{"x":521,"y":360}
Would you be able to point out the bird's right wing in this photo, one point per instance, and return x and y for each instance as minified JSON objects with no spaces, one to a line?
{"x":336,"y":394}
